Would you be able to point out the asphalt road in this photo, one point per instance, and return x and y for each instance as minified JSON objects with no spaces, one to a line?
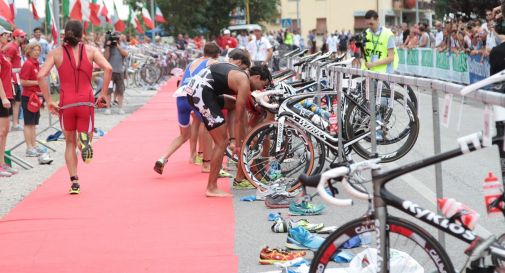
{"x":462,"y":180}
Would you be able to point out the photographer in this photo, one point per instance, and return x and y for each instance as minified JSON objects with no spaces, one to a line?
{"x":115,"y":53}
{"x":380,"y":51}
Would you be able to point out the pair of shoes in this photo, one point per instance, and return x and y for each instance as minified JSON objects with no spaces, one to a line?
{"x":273,"y":256}
{"x":9,"y":169}
{"x":198,"y":160}
{"x":4,"y":173}
{"x":45,"y":159}
{"x":223,"y":173}
{"x":280,"y":226}
{"x":107,"y":111}
{"x":279,"y":187}
{"x":159,"y":165}
{"x":17,"y":128}
{"x":305,"y":208}
{"x":244,"y":184}
{"x":31,"y":152}
{"x":86,"y":149}
{"x":75,"y":188}
{"x":278,"y":201}
{"x":300,"y":238}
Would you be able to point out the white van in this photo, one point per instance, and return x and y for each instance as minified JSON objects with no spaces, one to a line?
{"x":248,"y":28}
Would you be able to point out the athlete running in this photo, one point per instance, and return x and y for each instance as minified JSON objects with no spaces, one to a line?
{"x":204,"y":93}
{"x":210,"y":53}
{"x":74,"y":62}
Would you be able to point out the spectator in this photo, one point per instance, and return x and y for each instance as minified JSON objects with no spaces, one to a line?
{"x":489,"y":20}
{"x":115,"y":54}
{"x":424,"y":40}
{"x":44,"y":45}
{"x":260,"y":49}
{"x":492,"y":39}
{"x":405,"y":32}
{"x":288,"y":39}
{"x":311,"y":41}
{"x":227,"y":41}
{"x":180,"y":43}
{"x":439,"y":37}
{"x":332,"y":42}
{"x":243,"y":39}
{"x":412,"y":40}
{"x":12,"y":53}
{"x":324,"y":47}
{"x":296,"y":39}
{"x":31,"y":91}
{"x":7,"y":98}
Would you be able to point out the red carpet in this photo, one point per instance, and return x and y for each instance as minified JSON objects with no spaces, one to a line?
{"x":127,"y":218}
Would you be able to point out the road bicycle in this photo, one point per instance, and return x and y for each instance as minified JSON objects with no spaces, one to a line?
{"x":394,"y":244}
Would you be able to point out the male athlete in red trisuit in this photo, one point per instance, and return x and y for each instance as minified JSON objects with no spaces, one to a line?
{"x":74,"y":62}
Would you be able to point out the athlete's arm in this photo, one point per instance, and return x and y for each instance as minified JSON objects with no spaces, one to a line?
{"x":44,"y":87}
{"x":239,"y":82}
{"x":100,"y":60}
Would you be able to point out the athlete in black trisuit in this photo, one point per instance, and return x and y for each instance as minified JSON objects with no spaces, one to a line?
{"x":204,"y":93}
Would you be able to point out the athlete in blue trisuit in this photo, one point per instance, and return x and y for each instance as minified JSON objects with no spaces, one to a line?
{"x":210,"y":53}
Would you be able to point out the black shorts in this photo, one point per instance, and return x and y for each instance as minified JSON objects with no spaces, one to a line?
{"x":4,"y":112}
{"x":118,"y":83}
{"x":29,"y":118}
{"x":17,"y":92}
{"x":209,"y":105}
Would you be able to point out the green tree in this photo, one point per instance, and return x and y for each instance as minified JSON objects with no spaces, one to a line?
{"x":477,"y":7}
{"x":264,"y":10}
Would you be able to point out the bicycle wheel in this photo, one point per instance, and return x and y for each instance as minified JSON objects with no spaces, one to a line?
{"x":261,"y":163}
{"x":399,"y":131}
{"x":412,"y":249}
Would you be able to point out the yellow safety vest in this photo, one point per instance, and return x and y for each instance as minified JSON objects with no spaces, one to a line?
{"x":379,"y":46}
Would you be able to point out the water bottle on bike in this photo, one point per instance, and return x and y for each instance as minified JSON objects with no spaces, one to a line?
{"x":458,"y":212}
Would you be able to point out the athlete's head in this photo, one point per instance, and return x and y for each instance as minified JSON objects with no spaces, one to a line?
{"x":372,"y":19}
{"x":211,"y":50}
{"x":73,"y":33}
{"x":260,"y":77}
{"x":32,"y":50}
{"x":240,"y":58}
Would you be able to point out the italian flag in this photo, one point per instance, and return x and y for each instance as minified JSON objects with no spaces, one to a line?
{"x":76,"y":9}
{"x":94,"y":9}
{"x":33,"y":5}
{"x":147,"y":18}
{"x":13,"y":9}
{"x":104,"y":12}
{"x":118,"y":24}
{"x":132,"y":18}
{"x":5,"y":12}
{"x":158,"y":17}
{"x":51,"y":22}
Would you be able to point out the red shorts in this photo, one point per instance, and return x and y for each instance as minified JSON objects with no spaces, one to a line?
{"x":80,"y":119}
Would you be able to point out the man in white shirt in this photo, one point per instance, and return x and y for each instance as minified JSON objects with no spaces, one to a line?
{"x":296,"y":38}
{"x":439,"y":38}
{"x":44,"y":45}
{"x":260,"y":49}
{"x":331,"y":41}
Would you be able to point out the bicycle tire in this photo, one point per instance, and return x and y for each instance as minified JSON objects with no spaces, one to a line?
{"x":408,"y":232}
{"x":409,"y":134}
{"x":410,"y":93}
{"x":256,"y":163}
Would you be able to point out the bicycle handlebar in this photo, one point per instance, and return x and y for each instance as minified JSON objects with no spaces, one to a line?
{"x":260,"y":98}
{"x":498,"y":77}
{"x":342,"y":63}
{"x":343,"y":172}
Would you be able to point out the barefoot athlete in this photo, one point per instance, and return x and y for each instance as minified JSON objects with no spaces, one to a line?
{"x":74,"y":62}
{"x":204,"y":93}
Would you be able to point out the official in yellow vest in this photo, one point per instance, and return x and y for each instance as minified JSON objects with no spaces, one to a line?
{"x":381,"y":54}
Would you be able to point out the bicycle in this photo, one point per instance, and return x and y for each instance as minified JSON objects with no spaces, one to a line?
{"x":387,"y":230}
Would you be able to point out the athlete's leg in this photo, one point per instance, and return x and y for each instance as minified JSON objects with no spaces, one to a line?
{"x":205,"y":145}
{"x":70,"y":152}
{"x":195,"y":128}
{"x":29,"y":133}
{"x":4,"y":130}
{"x":120,"y":89}
{"x":219,"y":135}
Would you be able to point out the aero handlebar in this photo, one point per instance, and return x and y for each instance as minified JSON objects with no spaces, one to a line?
{"x":261,"y":98}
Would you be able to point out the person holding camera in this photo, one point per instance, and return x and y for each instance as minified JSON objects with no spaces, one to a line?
{"x":115,"y":53}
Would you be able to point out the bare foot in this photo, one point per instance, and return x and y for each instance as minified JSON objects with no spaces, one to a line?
{"x":205,"y":170}
{"x":217,"y":193}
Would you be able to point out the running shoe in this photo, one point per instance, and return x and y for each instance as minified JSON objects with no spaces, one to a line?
{"x":4,"y":173}
{"x":75,"y":188}
{"x":107,"y":111}
{"x":121,"y":112}
{"x":9,"y":169}
{"x":307,"y":225}
{"x":17,"y":128}
{"x":278,"y":201}
{"x":300,"y":238}
{"x":242,"y":185}
{"x":273,"y":256}
{"x":223,"y":173}
{"x":198,"y":160}
{"x":280,"y":226}
{"x":45,"y":159}
{"x":159,"y":165}
{"x":86,"y":150}
{"x":31,"y":152}
{"x":41,"y":149}
{"x":305,"y":208}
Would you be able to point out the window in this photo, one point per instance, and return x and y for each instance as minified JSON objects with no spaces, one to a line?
{"x":321,"y":26}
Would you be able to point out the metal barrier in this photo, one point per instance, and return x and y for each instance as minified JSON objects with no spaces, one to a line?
{"x":336,"y":74}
